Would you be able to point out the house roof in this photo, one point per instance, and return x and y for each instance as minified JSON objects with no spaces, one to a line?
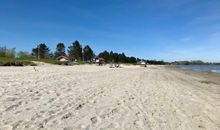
{"x":65,"y":57}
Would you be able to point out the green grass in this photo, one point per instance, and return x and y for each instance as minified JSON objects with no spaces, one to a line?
{"x":49,"y":61}
{"x":4,"y":61}
{"x":29,"y":61}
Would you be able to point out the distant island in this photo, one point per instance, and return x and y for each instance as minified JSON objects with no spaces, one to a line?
{"x":194,"y":62}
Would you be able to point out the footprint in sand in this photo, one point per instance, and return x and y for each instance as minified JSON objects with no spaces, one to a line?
{"x":66,"y":116}
{"x":96,"y":120}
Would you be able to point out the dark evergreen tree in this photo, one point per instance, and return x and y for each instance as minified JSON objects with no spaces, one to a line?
{"x":105,"y":55}
{"x":139,"y":60}
{"x":121,"y":58}
{"x":34,"y":52}
{"x":87,"y":53}
{"x":42,"y":51}
{"x":115,"y":57}
{"x":132,"y":60}
{"x":60,"y":50}
{"x":111,"y":56}
{"x":75,"y":50}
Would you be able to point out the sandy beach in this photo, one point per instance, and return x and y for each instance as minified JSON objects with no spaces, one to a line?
{"x":86,"y":97}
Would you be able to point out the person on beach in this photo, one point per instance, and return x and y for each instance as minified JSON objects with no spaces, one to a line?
{"x":101,"y":61}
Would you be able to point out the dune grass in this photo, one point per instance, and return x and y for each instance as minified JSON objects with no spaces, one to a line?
{"x":4,"y":61}
{"x":29,"y":62}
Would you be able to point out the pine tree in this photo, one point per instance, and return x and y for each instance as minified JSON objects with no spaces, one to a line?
{"x":42,"y":51}
{"x":60,"y":50}
{"x":75,"y":50}
{"x":87,"y":53}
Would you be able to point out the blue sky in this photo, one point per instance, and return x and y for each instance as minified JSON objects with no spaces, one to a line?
{"x":152,"y":29}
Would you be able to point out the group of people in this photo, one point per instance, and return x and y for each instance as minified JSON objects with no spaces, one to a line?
{"x":101,"y":61}
{"x":114,"y":65}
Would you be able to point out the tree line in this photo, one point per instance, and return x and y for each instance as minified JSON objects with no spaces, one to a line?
{"x":74,"y":50}
{"x":117,"y":57}
{"x":80,"y":53}
{"x":85,"y":53}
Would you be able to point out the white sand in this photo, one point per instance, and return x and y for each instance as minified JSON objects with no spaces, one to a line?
{"x":91,"y":97}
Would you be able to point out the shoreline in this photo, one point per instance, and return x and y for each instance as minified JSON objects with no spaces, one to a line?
{"x":213,"y":76}
{"x":196,"y":70}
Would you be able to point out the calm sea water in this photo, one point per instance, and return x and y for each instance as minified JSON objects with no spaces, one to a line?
{"x":209,"y":68}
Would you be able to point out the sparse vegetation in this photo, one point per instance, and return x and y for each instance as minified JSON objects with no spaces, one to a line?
{"x":15,"y":62}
